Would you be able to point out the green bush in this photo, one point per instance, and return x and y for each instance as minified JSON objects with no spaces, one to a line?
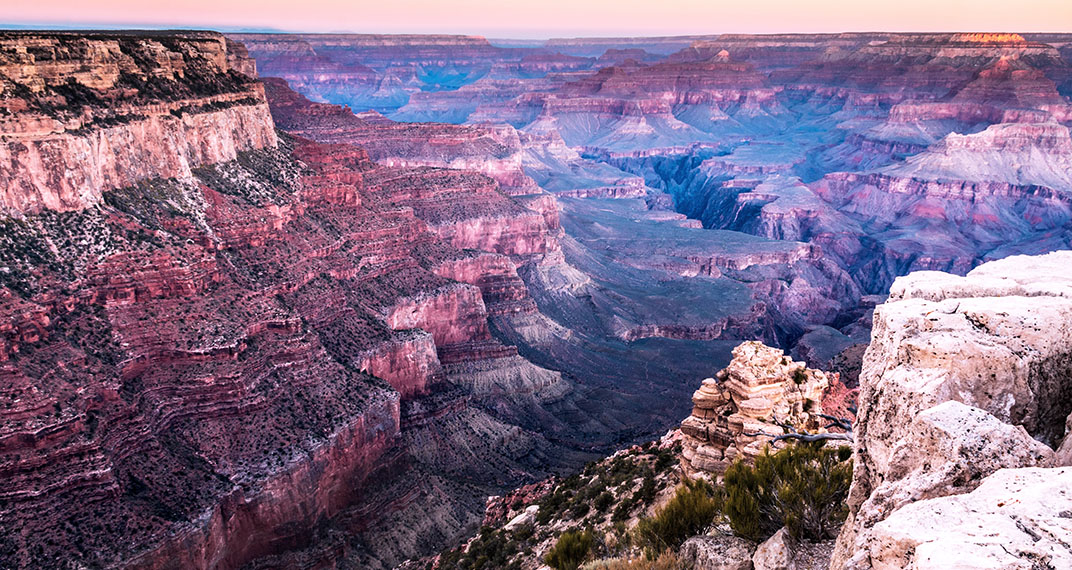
{"x":491,"y":550}
{"x":689,"y":512}
{"x":570,"y":551}
{"x":604,"y":501}
{"x":802,"y":487}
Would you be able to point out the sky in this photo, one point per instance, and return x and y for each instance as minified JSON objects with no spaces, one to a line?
{"x":551,"y":18}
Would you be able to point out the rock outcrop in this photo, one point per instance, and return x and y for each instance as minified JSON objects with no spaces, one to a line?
{"x":965,"y":377}
{"x":89,"y":113}
{"x":1016,"y":519}
{"x":736,"y":414}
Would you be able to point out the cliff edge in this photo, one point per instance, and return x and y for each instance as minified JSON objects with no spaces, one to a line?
{"x":82,"y":113}
{"x":963,"y":423}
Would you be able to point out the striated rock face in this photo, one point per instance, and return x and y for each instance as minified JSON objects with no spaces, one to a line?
{"x":735,"y":414}
{"x":965,"y":376}
{"x":222,"y":346}
{"x":260,"y":348}
{"x":492,"y":150}
{"x":890,"y":152}
{"x":382,"y":73}
{"x":97,"y":112}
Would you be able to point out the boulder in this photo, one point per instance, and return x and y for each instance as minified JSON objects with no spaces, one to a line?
{"x":776,"y":553}
{"x":527,"y":517}
{"x":964,"y":376}
{"x":723,"y":552}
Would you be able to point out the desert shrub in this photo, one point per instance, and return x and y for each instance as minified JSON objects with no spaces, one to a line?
{"x":492,"y":549}
{"x":646,"y":493}
{"x":802,"y":487}
{"x":570,"y":550}
{"x":666,"y":561}
{"x":666,"y":458}
{"x":623,"y":511}
{"x":691,"y":510}
{"x":604,"y":501}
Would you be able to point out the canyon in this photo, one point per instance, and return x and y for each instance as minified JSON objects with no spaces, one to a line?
{"x":296,"y":300}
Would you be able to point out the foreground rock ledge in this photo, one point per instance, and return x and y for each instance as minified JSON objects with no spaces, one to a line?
{"x":1018,"y":518}
{"x":964,"y":376}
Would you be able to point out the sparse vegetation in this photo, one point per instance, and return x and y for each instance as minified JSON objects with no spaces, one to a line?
{"x":666,"y":561}
{"x":802,"y":487}
{"x":491,"y":550}
{"x":571,"y":549}
{"x":692,"y":509}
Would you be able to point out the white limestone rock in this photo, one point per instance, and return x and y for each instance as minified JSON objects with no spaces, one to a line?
{"x":718,"y":553}
{"x":776,"y":553}
{"x":998,"y":344}
{"x":1018,"y":519}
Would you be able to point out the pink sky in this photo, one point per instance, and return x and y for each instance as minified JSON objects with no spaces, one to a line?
{"x":546,"y":18}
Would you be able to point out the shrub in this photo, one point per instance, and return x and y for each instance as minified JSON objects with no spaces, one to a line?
{"x":802,"y":487}
{"x":646,"y":493}
{"x":490,"y":550}
{"x":689,"y":512}
{"x":570,"y":550}
{"x":623,"y":511}
{"x":604,"y":501}
{"x":666,"y":561}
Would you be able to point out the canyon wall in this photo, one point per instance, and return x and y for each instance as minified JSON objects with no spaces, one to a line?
{"x":965,"y":406}
{"x":219,"y":341}
{"x":90,"y":113}
{"x":223,"y":344}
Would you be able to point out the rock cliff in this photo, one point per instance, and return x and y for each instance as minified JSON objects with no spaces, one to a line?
{"x":267,"y":342}
{"x":84,"y":114}
{"x":965,"y":381}
{"x":203,"y":318}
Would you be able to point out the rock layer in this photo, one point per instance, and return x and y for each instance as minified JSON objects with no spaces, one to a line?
{"x":736,"y":414}
{"x":104,"y":111}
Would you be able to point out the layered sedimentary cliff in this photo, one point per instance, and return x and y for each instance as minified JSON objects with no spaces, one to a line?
{"x":204,"y":318}
{"x":204,"y":365}
{"x":964,"y":407}
{"x":89,"y":113}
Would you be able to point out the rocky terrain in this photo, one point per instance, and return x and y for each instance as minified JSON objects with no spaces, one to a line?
{"x":889,"y":153}
{"x":736,"y":414}
{"x":389,"y":313}
{"x":317,"y":318}
{"x":271,"y":355}
{"x":965,"y":407}
{"x":962,"y":447}
{"x":82,"y":114}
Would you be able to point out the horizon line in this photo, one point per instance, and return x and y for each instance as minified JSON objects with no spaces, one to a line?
{"x":135,"y":27}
